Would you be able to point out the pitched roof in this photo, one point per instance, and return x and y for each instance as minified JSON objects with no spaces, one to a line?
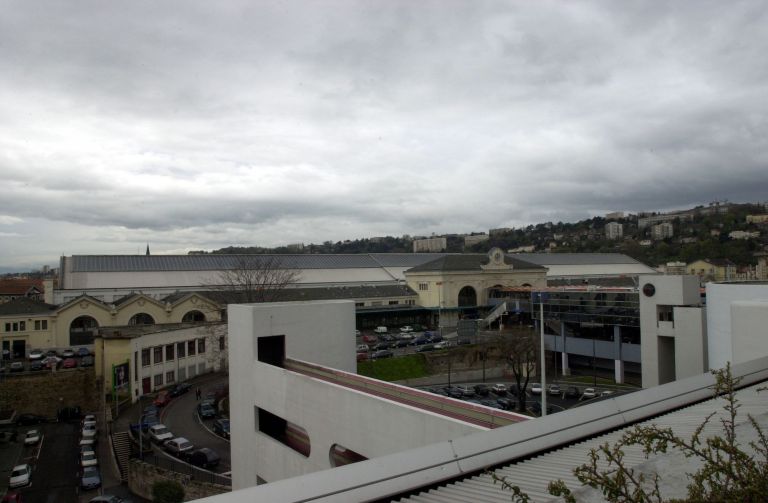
{"x":304,"y":294}
{"x":23,"y":305}
{"x":469,"y":262}
{"x":576,"y":258}
{"x":14,"y":286}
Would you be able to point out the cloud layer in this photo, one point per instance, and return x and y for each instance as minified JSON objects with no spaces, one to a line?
{"x":195,"y":125}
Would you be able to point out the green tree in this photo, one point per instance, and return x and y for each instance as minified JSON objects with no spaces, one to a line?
{"x":167,"y":491}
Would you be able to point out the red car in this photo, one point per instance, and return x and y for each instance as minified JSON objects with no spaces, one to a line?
{"x":12,"y":497}
{"x":162,"y":399}
{"x":69,"y":363}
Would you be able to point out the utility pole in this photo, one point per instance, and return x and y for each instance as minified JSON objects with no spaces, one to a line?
{"x":543,"y":361}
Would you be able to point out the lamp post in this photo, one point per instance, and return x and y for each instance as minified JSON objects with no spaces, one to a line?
{"x":543,"y":361}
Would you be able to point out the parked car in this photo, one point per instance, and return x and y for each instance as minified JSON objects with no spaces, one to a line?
{"x":12,"y":497}
{"x":370,"y":338}
{"x":178,"y":446}
{"x":506,"y":403}
{"x":88,"y":458}
{"x":87,"y":441}
{"x":436,"y":338}
{"x":86,"y":361}
{"x":51,"y":352}
{"x":572,"y":392}
{"x":536,"y":388}
{"x":159,"y":433}
{"x":180,"y":389}
{"x":68,"y":353}
{"x":89,"y":418}
{"x":444,"y":345}
{"x":32,"y":437}
{"x":406,"y":328}
{"x":382,"y":346}
{"x":17,"y":367}
{"x":362,"y":348}
{"x":204,"y":458}
{"x":27,"y":419}
{"x":69,"y":363}
{"x":36,"y":366}
{"x":607,"y":392}
{"x":82,"y":352}
{"x":554,"y":389}
{"x":425,"y":348}
{"x":402,"y":343}
{"x":466,"y":391}
{"x":362,"y":357}
{"x":419,"y":340}
{"x":88,"y":430}
{"x":499,"y":389}
{"x":162,"y":399}
{"x":51,"y":362}
{"x":589,"y":393}
{"x":206,"y":410}
{"x":108,"y":499}
{"x":36,"y":354}
{"x":19,"y":476}
{"x":405,"y":335}
{"x":221,"y":427}
{"x":90,"y":478}
{"x":380,"y":330}
{"x":482,"y":389}
{"x":453,"y":391}
{"x":376,"y":355}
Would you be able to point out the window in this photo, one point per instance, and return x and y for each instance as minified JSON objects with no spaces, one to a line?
{"x":158,"y":355}
{"x":181,"y":349}
{"x":359,"y":304}
{"x":201,"y":346}
{"x":423,"y":286}
{"x":191,"y":348}
{"x":141,"y":319}
{"x":7,"y":327}
{"x":169,"y":352}
{"x":410,"y":302}
{"x":169,"y":377}
{"x":222,"y":343}
{"x":22,"y":325}
{"x":145,"y":357}
{"x":158,"y":380}
{"x":37,"y":324}
{"x":394,"y":302}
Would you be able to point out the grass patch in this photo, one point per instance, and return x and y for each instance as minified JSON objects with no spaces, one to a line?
{"x":394,"y":369}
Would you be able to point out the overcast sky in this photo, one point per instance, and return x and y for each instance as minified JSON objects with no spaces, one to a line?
{"x":195,"y":124}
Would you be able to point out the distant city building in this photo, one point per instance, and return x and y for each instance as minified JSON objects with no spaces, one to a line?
{"x":616,"y":215}
{"x":661,"y":231}
{"x":676,"y":268}
{"x":757,"y":219}
{"x":430,"y":245}
{"x":523,"y":249}
{"x":743,"y":235}
{"x":713,"y":269}
{"x":644,"y":222}
{"x":614,"y":230}
{"x":474,"y":239}
{"x":295,"y":246}
{"x":500,"y":230}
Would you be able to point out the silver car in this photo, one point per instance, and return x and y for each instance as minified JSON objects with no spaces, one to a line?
{"x":90,"y":478}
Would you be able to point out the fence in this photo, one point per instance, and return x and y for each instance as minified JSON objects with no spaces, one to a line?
{"x":177,"y":466}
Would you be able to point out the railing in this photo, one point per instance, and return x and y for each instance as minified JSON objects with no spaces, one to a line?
{"x":494,"y":315}
{"x":479,"y":415}
{"x":177,"y":466}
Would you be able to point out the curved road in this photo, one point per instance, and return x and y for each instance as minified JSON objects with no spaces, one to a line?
{"x":180,"y":416}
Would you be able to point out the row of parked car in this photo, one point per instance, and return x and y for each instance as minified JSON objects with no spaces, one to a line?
{"x":49,"y":360}
{"x":21,"y":474}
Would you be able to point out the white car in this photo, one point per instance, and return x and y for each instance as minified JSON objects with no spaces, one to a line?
{"x":405,"y":336}
{"x":89,"y":418}
{"x":87,"y":441}
{"x":158,"y":433}
{"x":89,"y":430}
{"x":179,"y":446}
{"x":36,"y":354}
{"x":362,"y":348}
{"x":499,"y":389}
{"x":88,"y":458}
{"x":554,"y":389}
{"x":380,"y":330}
{"x":443,"y":345}
{"x":406,"y":329}
{"x":19,"y":476}
{"x":536,"y":388}
{"x":32,"y":437}
{"x":589,"y":393}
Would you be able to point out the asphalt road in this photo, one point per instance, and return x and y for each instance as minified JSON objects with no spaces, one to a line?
{"x":180,"y":416}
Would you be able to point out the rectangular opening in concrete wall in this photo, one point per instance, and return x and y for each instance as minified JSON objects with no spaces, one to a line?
{"x":665,"y":313}
{"x":666,"y":359}
{"x":291,"y":435}
{"x":271,"y":350}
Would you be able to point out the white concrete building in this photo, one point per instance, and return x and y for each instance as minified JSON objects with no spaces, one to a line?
{"x":614,"y":230}
{"x":663,"y":230}
{"x":292,"y":415}
{"x":436,"y":244}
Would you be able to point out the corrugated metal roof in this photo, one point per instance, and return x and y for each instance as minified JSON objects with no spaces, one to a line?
{"x":469,"y":262}
{"x":533,"y":475}
{"x":24,"y":305}
{"x":213,"y":262}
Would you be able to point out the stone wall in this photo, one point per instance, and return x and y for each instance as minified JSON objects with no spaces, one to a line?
{"x":141,"y":477}
{"x":45,"y":393}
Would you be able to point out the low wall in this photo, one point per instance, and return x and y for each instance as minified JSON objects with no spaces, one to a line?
{"x":46,"y":392}
{"x":141,"y":477}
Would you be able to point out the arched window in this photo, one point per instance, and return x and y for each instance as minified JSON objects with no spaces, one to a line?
{"x":467,"y":297}
{"x":81,"y":330}
{"x":193,"y":317}
{"x":141,"y":319}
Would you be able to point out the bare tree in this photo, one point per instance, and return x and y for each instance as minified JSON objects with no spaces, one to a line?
{"x":520,"y":352}
{"x":257,"y":278}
